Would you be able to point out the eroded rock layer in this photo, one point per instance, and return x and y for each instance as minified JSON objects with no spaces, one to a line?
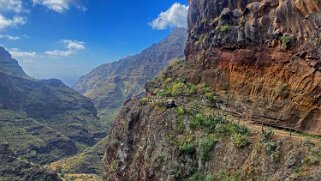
{"x":263,"y":55}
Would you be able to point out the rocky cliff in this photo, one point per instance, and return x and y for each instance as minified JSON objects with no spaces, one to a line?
{"x":110,"y":85}
{"x":247,"y":61}
{"x":265,"y":55}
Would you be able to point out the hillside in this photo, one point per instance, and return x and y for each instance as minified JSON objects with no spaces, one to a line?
{"x":43,"y":120}
{"x":110,"y":85}
{"x":247,"y":62}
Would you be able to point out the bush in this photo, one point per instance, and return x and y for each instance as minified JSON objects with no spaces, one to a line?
{"x":225,"y":29}
{"x":205,"y":146}
{"x":210,"y":96}
{"x":240,"y":140}
{"x":266,"y":136}
{"x":198,"y":176}
{"x":187,"y":148}
{"x":180,"y":110}
{"x":144,"y":101}
{"x":285,"y":40}
{"x":178,"y":89}
{"x":311,"y":159}
{"x":209,"y":177}
{"x":269,"y":147}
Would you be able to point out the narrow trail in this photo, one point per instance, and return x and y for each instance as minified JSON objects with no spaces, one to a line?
{"x":278,"y":132}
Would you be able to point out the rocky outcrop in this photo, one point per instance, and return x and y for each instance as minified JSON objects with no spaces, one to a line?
{"x":265,"y":55}
{"x":110,"y":85}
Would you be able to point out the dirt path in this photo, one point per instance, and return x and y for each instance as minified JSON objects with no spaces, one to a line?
{"x":280,"y":133}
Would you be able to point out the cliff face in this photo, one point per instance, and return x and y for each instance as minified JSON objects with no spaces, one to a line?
{"x":245,"y":60}
{"x":110,"y":85}
{"x":265,"y":55}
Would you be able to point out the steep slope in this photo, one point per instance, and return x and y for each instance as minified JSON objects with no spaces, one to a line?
{"x":12,"y":168}
{"x":178,"y":131}
{"x":111,"y":84}
{"x":8,"y":65}
{"x":44,"y":120}
{"x":254,"y":60}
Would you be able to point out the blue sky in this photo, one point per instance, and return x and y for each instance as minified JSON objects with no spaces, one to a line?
{"x":67,"y":38}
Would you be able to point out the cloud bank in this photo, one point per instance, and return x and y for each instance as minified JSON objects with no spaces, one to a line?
{"x":71,"y":48}
{"x":59,"y":6}
{"x":23,"y":56}
{"x":175,"y":16}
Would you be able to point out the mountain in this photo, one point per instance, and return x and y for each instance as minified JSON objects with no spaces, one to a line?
{"x":43,"y":120}
{"x":9,"y":65}
{"x":244,"y":104}
{"x":110,"y":85}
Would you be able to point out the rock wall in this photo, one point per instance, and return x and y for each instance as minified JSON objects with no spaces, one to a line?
{"x":264,"y":55}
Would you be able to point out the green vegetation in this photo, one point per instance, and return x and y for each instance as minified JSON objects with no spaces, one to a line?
{"x":144,"y":101}
{"x":313,"y":156}
{"x":187,"y":148}
{"x":242,"y":21}
{"x":206,"y":144}
{"x":268,"y":144}
{"x":285,"y":40}
{"x":224,"y":29}
{"x":240,"y":140}
{"x":180,"y":87}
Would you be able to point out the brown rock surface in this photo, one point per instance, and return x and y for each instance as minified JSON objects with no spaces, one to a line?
{"x":265,"y":51}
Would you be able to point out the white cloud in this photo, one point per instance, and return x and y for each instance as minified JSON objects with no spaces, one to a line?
{"x":71,"y":48}
{"x":175,"y":16}
{"x":11,"y":5}
{"x":23,"y":56}
{"x":10,"y":22}
{"x":59,"y":6}
{"x":9,"y":37}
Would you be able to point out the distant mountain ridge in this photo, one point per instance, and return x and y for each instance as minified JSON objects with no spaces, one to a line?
{"x":109,"y":85}
{"x":42,"y":121}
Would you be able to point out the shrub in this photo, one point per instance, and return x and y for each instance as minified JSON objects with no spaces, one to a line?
{"x":144,"y":101}
{"x":242,"y":21}
{"x":180,"y":110}
{"x":187,"y":148}
{"x":210,"y":96}
{"x":240,"y":140}
{"x":311,"y":159}
{"x":267,"y":135}
{"x":178,"y":89}
{"x":197,"y":121}
{"x":209,"y":177}
{"x":269,"y":147}
{"x":202,"y":88}
{"x":205,"y":146}
{"x":225,"y":29}
{"x":198,"y":176}
{"x":285,"y":40}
